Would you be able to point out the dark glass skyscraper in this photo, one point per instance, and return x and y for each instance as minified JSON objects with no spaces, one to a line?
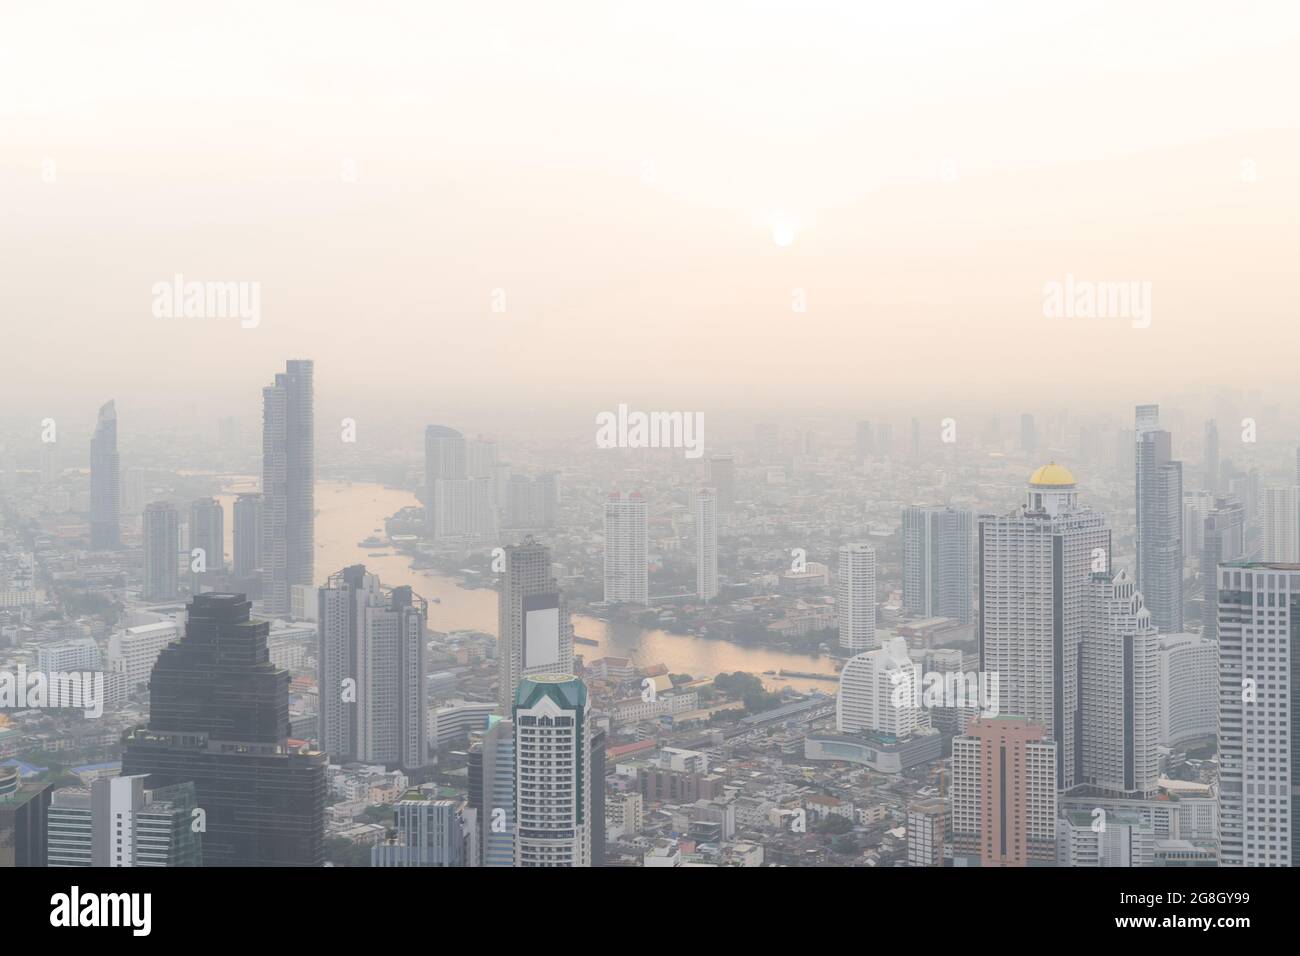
{"x":105,"y":483}
{"x":219,"y":717}
{"x":288,"y":482}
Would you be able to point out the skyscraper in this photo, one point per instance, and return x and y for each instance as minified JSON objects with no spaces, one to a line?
{"x":1003,"y":794}
{"x":373,"y":697}
{"x":937,"y":562}
{"x":1281,"y":520}
{"x":288,"y":486}
{"x":1210,"y":475}
{"x":207,"y":531}
{"x":553,"y":776}
{"x":162,"y":544}
{"x":1223,"y":540}
{"x":534,"y":633}
{"x":491,"y":780}
{"x":219,"y":717}
{"x":1120,"y":704}
{"x":1159,"y":495}
{"x":706,"y":544}
{"x":1259,"y":641}
{"x":855,"y":598}
{"x":1034,"y":567}
{"x":444,"y":460}
{"x":626,"y":550}
{"x":105,"y":483}
{"x":247,"y":535}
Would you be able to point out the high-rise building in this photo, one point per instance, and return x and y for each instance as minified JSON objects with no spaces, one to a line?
{"x":1116,"y":839}
{"x":534,"y":633}
{"x":530,"y":502}
{"x":1003,"y":794}
{"x":24,"y":808}
{"x":878,"y":690}
{"x":1188,"y":669}
{"x":1281,"y":521}
{"x":427,"y":832}
{"x":105,"y":483}
{"x":138,"y":649}
{"x":247,"y":535}
{"x":219,"y":718}
{"x":1120,"y":703}
{"x":1028,"y":434}
{"x":926,"y":833}
{"x":855,"y":598}
{"x":491,"y":777}
{"x":627,"y":578}
{"x":373,"y":696}
{"x":1259,"y":652}
{"x":1034,"y":568}
{"x":444,"y":460}
{"x":162,"y":544}
{"x":553,"y":775}
{"x":1210,"y":475}
{"x":1159,"y":495}
{"x":1223,"y":540}
{"x":937,"y":553}
{"x":207,"y":531}
{"x":706,"y":544}
{"x":722,"y":479}
{"x":288,"y":486}
{"x":117,"y":821}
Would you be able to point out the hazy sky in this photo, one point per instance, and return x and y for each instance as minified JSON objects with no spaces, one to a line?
{"x":651,"y":190}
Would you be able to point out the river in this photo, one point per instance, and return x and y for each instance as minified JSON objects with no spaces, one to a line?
{"x":350,"y":512}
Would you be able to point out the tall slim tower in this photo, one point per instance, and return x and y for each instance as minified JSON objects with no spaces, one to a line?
{"x":937,"y":549}
{"x":534,"y":633}
{"x":1259,"y":651}
{"x":162,"y":544}
{"x":373,"y":697}
{"x":855,"y":598}
{"x":1223,"y":540}
{"x":1281,"y":520}
{"x":553,"y":772}
{"x":627,"y":579}
{"x":491,"y":773}
{"x":105,"y":483}
{"x":1034,"y":568}
{"x":1159,"y":495}
{"x":288,"y":486}
{"x":706,"y":544}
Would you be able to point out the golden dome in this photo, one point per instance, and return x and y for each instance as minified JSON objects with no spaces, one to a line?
{"x":1052,"y":474}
